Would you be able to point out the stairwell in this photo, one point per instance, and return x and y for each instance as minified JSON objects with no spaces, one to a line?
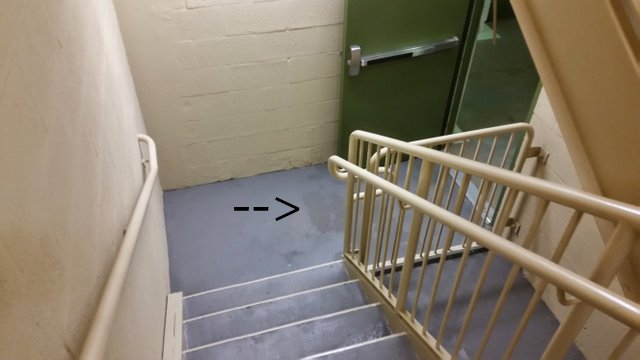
{"x":312,"y":313}
{"x":480,"y":305}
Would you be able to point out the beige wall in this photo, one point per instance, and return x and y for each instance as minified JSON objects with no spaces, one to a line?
{"x":600,"y":334}
{"x":234,"y":88}
{"x":592,"y":75}
{"x":70,"y":176}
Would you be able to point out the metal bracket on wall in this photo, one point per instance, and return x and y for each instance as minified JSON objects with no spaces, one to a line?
{"x":538,"y":152}
{"x":514,"y":224}
{"x":356,"y":60}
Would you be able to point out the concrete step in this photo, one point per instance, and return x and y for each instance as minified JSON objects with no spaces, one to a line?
{"x":233,"y":296}
{"x":300,"y":339}
{"x":272,"y":313}
{"x":396,"y":346}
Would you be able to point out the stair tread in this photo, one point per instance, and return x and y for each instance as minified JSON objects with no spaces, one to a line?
{"x":396,"y":346}
{"x":253,"y":318}
{"x":263,"y":289}
{"x":302,"y":339}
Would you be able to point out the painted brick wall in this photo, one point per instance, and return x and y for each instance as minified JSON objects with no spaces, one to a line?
{"x":233,"y":88}
{"x":600,"y":333}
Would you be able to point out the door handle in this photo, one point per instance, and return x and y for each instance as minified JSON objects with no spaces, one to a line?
{"x":356,"y":60}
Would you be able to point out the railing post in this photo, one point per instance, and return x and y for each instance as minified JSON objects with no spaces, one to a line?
{"x":615,"y":252}
{"x":349,"y":199}
{"x":424,"y":180}
{"x":367,"y":210}
{"x":348,"y":221}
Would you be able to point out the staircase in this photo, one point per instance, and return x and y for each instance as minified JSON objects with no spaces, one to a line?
{"x":429,"y":236}
{"x":313,"y":313}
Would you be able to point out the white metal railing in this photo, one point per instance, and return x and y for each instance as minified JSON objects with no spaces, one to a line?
{"x":506,"y":146}
{"x":443,"y":209}
{"x":95,"y":343}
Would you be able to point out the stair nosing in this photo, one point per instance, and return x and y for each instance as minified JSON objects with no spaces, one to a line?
{"x":275,"y":328}
{"x":354,"y":346}
{"x":266,"y":301}
{"x":260,"y":280}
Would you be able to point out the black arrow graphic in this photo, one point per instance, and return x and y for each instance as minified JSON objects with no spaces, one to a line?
{"x":295,"y":209}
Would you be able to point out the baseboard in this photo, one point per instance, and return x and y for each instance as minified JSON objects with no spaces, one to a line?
{"x":172,"y":349}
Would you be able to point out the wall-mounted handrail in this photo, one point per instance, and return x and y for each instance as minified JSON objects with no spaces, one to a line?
{"x":95,"y":343}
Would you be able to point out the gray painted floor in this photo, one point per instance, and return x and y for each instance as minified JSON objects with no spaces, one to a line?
{"x":211,"y":246}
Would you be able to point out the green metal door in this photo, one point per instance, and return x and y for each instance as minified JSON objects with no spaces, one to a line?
{"x":400,"y":64}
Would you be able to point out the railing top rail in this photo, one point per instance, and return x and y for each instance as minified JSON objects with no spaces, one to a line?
{"x":467,"y":135}
{"x":475,"y":134}
{"x":616,"y":306}
{"x":95,"y":343}
{"x":600,"y":206}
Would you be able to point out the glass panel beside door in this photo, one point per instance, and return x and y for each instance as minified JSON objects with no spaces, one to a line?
{"x":502,"y":84}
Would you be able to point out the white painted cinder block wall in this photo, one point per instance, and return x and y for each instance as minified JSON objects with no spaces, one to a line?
{"x":233,"y":88}
{"x":600,"y":334}
{"x":70,"y":176}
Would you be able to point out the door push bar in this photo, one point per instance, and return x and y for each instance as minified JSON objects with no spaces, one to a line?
{"x":356,"y":60}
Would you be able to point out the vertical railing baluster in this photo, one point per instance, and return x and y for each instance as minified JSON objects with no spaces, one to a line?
{"x":539,"y":212}
{"x":477,"y":151}
{"x":504,"y":208}
{"x":382,"y":218}
{"x":449,"y":196}
{"x":367,"y":210}
{"x":437,"y":199}
{"x":348,"y":221}
{"x":476,"y":213}
{"x":356,"y":197}
{"x":443,"y":257}
{"x":427,"y":242}
{"x":502,"y":220}
{"x":494,"y":186}
{"x":506,"y":151}
{"x":397,"y":161}
{"x":492,"y":150}
{"x":370,"y":195}
{"x":396,"y":247}
{"x":541,"y":285}
{"x":349,"y":214}
{"x":426,"y":169}
{"x":400,"y":224}
{"x":445,"y":149}
{"x":523,"y":151}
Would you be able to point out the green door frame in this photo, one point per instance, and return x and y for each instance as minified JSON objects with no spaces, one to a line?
{"x":468,"y":41}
